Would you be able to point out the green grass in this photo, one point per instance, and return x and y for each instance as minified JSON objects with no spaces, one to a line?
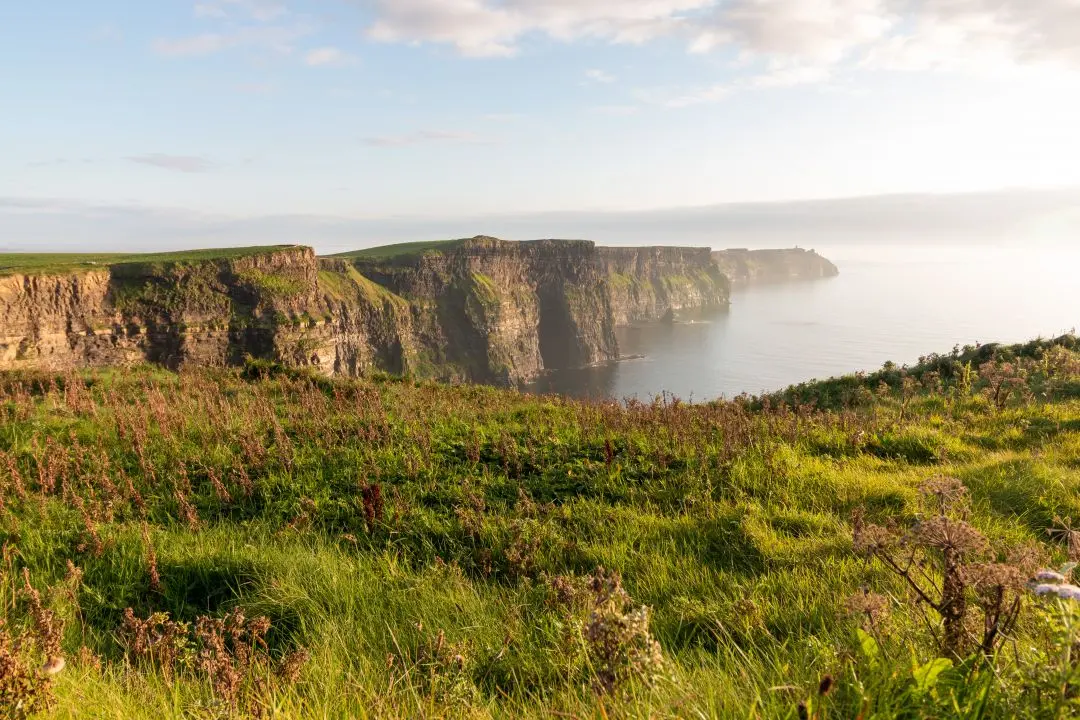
{"x":38,"y":263}
{"x":621,"y":281}
{"x":387,"y":252}
{"x":351,"y":285}
{"x":277,"y":286}
{"x":729,"y":521}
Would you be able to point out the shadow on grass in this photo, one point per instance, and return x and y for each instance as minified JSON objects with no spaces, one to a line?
{"x":1023,"y":490}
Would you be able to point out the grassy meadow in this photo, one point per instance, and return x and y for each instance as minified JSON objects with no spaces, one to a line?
{"x":43,"y":263}
{"x":266,"y":543}
{"x":400,"y":250}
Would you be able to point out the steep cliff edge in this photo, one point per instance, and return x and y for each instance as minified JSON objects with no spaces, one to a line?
{"x":481,"y":309}
{"x":202,"y":311}
{"x":486,"y":309}
{"x":760,"y":266}
{"x":651,"y":283}
{"x":490,"y":309}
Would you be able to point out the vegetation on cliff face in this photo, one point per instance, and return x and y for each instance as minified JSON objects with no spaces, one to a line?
{"x":653,"y":283}
{"x":268,"y":542}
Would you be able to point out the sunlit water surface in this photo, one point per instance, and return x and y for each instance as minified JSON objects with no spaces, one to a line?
{"x":888,"y":304}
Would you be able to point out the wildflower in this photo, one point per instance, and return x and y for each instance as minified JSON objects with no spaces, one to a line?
{"x":1049,"y":576}
{"x":1065,"y":592}
{"x":1068,"y":592}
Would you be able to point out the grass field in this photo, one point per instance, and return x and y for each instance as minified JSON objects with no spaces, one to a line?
{"x":37,"y":263}
{"x":386,"y":252}
{"x":263,"y":542}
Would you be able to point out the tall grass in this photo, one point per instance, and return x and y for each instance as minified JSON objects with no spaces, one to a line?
{"x":436,"y":551}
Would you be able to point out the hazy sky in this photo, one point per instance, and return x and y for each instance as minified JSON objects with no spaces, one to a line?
{"x":366,"y":109}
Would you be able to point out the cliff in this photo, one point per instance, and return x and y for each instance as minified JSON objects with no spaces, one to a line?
{"x":651,"y":283}
{"x":759,"y":266}
{"x":174,"y":312}
{"x":480,"y":309}
{"x":491,"y":310}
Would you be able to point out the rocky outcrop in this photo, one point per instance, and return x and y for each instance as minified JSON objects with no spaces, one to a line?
{"x":480,"y":310}
{"x":652,"y":283}
{"x":761,"y":266}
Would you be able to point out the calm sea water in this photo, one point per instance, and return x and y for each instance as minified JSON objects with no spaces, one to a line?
{"x":887,"y":304}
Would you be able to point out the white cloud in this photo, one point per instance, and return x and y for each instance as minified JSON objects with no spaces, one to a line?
{"x":822,"y":30}
{"x":984,"y":36}
{"x":482,"y":28}
{"x":281,"y":39}
{"x":896,"y":34}
{"x":599,"y":76}
{"x":177,"y":163}
{"x":260,"y":10}
{"x":424,"y":136}
{"x":328,"y":57}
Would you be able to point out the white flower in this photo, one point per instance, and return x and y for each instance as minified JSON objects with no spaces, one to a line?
{"x":1049,"y":576}
{"x":1065,"y":592}
{"x":1068,"y":592}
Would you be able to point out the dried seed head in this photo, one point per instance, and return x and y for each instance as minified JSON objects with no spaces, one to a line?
{"x":948,"y":491}
{"x":54,"y":666}
{"x":945,"y":533}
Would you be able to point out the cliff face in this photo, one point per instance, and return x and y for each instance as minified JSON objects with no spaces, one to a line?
{"x":479,"y":310}
{"x":651,"y":283}
{"x":759,"y":266}
{"x":210,"y":312}
{"x":499,"y":311}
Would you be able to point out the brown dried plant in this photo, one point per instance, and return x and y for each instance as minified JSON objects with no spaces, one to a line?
{"x":24,"y":690}
{"x":156,"y":641}
{"x":151,"y":559}
{"x":371,"y":495}
{"x":950,"y":569}
{"x":620,"y":646}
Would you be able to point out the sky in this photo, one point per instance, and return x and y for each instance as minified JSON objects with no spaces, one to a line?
{"x":176,"y":121}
